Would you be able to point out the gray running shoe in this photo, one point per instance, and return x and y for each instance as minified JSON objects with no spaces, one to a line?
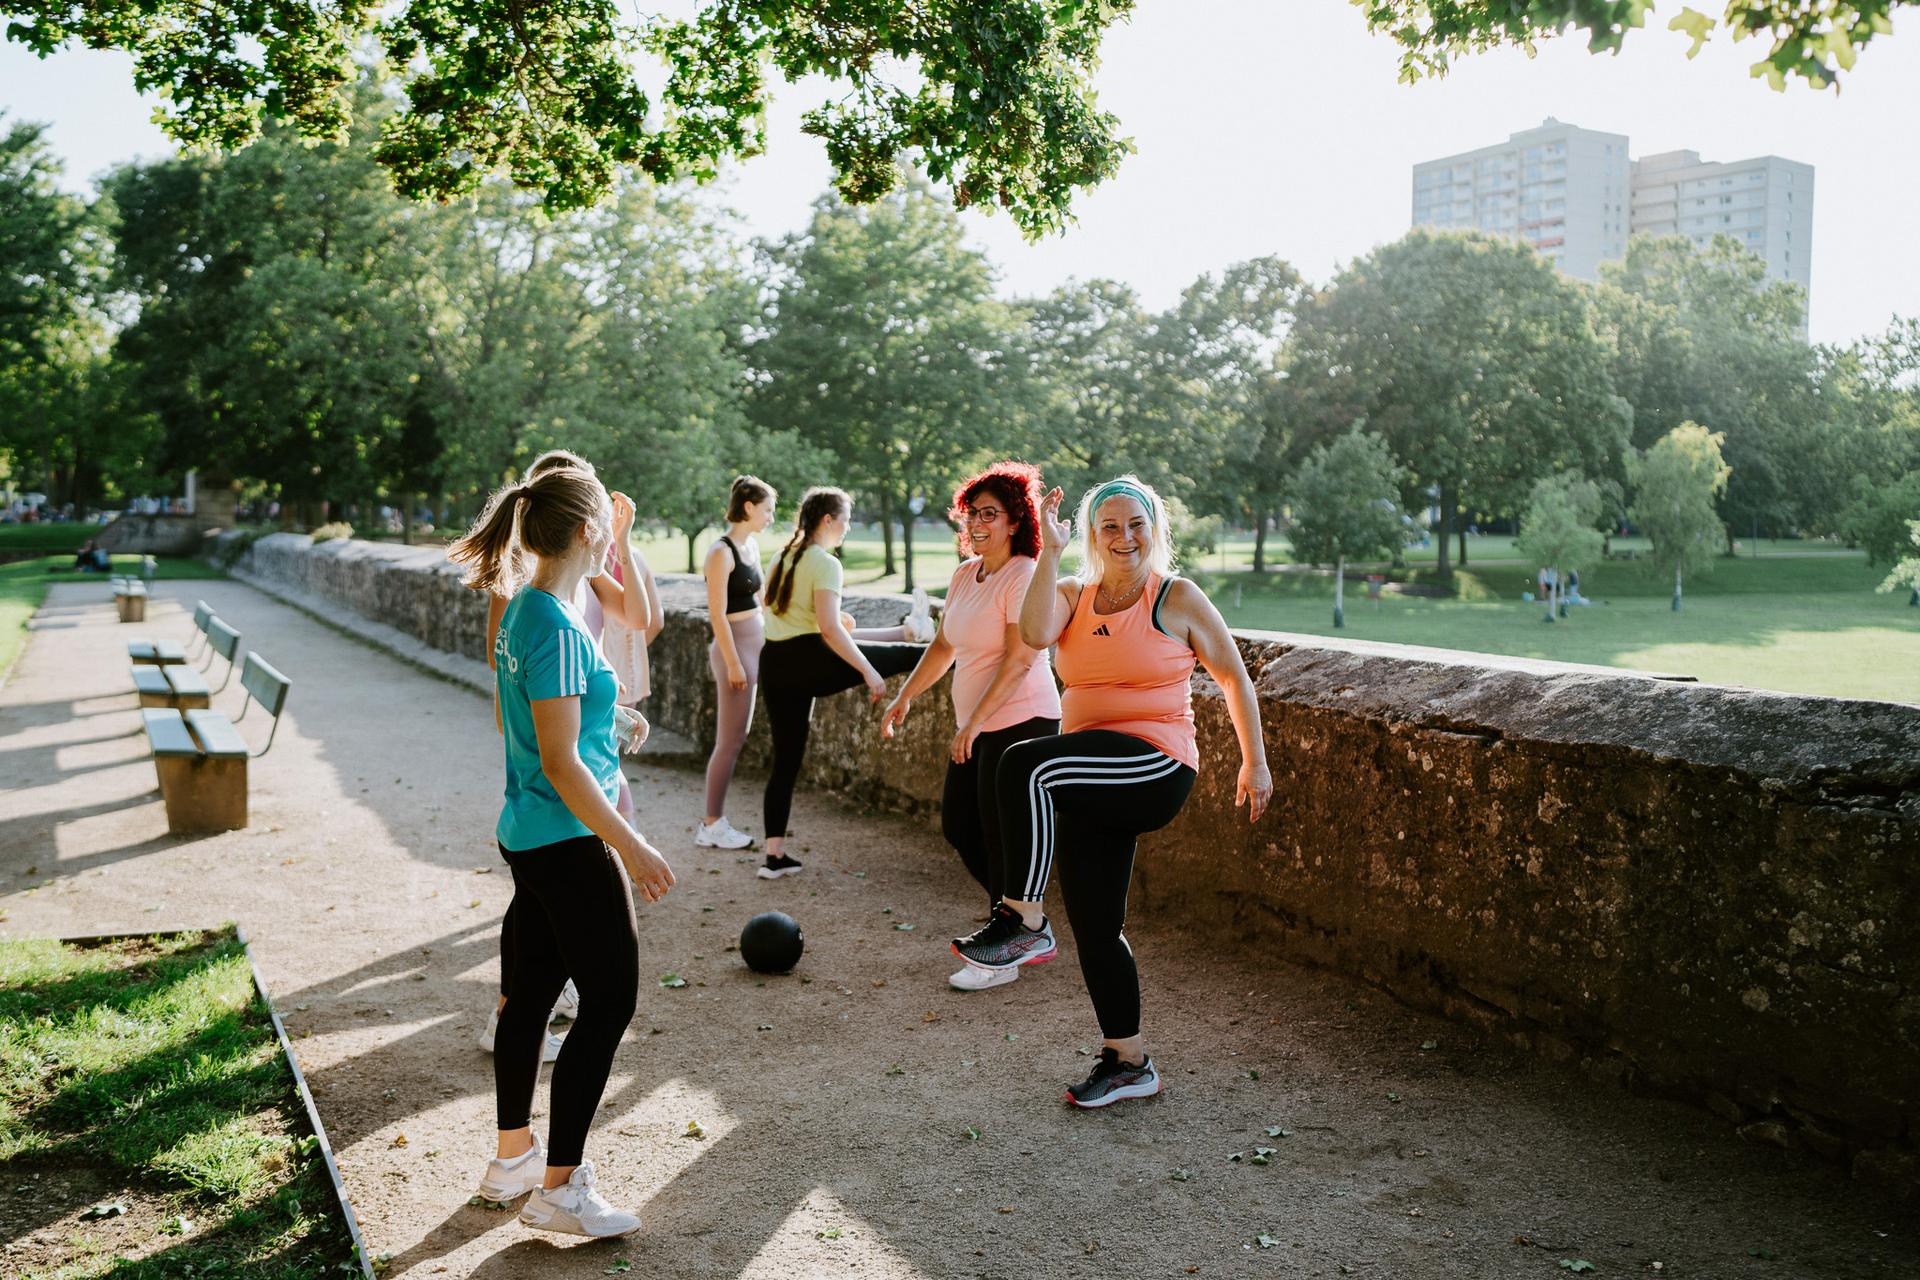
{"x":1005,"y":942}
{"x":1113,"y":1081}
{"x":577,"y":1209}
{"x":507,"y":1180}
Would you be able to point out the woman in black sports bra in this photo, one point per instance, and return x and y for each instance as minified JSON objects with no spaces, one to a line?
{"x":732,"y":571}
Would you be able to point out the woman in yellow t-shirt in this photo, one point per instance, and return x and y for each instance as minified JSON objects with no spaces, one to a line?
{"x":813,"y":650}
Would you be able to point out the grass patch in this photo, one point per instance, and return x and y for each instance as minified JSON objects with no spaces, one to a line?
{"x":23,"y":585}
{"x":47,"y":536}
{"x":146,"y":1075}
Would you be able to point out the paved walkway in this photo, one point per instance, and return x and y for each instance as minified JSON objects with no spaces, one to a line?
{"x":840,"y":1106}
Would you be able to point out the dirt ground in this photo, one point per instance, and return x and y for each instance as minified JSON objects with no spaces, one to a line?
{"x":858,"y":1117}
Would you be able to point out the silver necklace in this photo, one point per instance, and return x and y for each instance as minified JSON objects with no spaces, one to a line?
{"x":1119,"y":601}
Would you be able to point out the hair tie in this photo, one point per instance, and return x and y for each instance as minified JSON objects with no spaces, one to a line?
{"x":1119,"y":489}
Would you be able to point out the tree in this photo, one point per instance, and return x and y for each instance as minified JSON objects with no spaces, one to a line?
{"x":1907,"y":572}
{"x":1219,"y":353}
{"x":1557,"y":530}
{"x":1475,"y":360}
{"x":1719,"y":344}
{"x":994,"y":97}
{"x":1878,"y":520}
{"x":1675,"y":484}
{"x":1812,"y":39}
{"x":1344,"y":508}
{"x":52,"y":333}
{"x":883,"y":343}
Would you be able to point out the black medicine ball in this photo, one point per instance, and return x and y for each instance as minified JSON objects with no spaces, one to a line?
{"x":771,"y":942}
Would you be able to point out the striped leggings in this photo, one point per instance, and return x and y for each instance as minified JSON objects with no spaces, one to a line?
{"x":1081,"y":800}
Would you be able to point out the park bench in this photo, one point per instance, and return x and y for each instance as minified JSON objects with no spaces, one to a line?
{"x":130,"y":599}
{"x":181,"y":685}
{"x":201,"y":757}
{"x":148,"y":568}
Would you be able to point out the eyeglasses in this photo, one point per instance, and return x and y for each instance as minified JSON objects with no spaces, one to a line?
{"x":983,"y":515}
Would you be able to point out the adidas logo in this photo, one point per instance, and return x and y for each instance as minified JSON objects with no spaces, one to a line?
{"x":1101,"y":630}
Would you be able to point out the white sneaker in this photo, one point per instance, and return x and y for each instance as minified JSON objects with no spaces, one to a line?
{"x":568,"y":1005}
{"x":547,"y":1054}
{"x":510,"y":1179}
{"x":576,"y":1209}
{"x":720,"y":834}
{"x":973,"y":978}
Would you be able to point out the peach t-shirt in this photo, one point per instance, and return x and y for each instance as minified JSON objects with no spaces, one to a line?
{"x":975,"y":624}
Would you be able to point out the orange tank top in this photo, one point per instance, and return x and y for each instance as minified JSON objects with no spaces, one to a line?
{"x":1120,"y":671}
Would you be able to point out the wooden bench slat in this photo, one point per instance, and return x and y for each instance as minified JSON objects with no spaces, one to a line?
{"x":268,"y":687}
{"x":218,"y":738}
{"x":167,"y":734}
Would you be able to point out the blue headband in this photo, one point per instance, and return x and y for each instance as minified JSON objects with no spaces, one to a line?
{"x":1118,"y":489}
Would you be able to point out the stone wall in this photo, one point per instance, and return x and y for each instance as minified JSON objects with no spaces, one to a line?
{"x":1703,"y":891}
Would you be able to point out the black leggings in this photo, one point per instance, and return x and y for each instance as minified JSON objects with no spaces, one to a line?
{"x":1088,"y":796}
{"x":792,"y":674}
{"x":571,"y":916}
{"x":970,"y":803}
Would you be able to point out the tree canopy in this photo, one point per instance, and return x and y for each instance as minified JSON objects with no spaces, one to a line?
{"x":993,"y":97}
{"x":1814,"y":40}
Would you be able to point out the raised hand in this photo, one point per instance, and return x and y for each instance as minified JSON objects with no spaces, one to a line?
{"x":622,"y":518}
{"x":1054,"y":531}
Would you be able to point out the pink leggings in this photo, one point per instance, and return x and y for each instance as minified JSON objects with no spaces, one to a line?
{"x":735,"y":712}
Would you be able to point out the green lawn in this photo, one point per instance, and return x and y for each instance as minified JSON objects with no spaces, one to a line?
{"x":23,"y":585}
{"x":1800,"y":617}
{"x":46,"y":536}
{"x":146,"y":1073}
{"x":1805,"y":625}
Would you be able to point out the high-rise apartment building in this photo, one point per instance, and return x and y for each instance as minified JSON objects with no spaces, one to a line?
{"x":1562,"y":189}
{"x":1576,"y":197}
{"x":1765,"y":203}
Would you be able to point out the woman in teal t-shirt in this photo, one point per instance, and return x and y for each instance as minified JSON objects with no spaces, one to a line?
{"x":571,"y":914}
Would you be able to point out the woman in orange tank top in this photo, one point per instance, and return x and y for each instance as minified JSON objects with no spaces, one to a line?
{"x":1128,"y":633}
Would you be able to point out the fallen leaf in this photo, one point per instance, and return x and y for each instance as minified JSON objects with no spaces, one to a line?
{"x":178,"y":1225}
{"x":1275,"y":1131}
{"x":929,"y":1016}
{"x":1236,"y":1157}
{"x":1427,"y":1046}
{"x":694,"y":1129}
{"x":1005,"y":1208}
{"x":620,"y":1266}
{"x":896,"y":1070}
{"x":1253,"y":1075}
{"x":672,"y":980}
{"x":1262,"y":1155}
{"x":1393,"y":1097}
{"x":973,"y":1134}
{"x":1181,"y":1175}
{"x":107,"y":1209}
{"x":474,"y":903}
{"x":1577,"y":1264}
{"x":765,"y":1026}
{"x":831,"y":1233}
{"x":483,"y":871}
{"x":1265,"y":1241}
{"x":903,"y":928}
{"x":399,"y":1140}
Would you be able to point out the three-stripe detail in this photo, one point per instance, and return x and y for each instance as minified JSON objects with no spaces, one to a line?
{"x":576,"y":664}
{"x":1108,"y":771}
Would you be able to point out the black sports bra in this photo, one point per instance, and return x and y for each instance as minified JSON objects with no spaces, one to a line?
{"x":743,"y":583}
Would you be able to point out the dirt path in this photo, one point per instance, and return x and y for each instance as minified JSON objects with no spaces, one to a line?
{"x":837,"y":1104}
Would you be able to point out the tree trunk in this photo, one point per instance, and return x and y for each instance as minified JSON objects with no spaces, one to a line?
{"x":407,"y":501}
{"x":886,"y":532}
{"x":1676,"y":588}
{"x":1340,"y":591}
{"x":906,"y":545}
{"x":1463,"y":543}
{"x":1552,"y":587}
{"x":1441,"y":566}
{"x":693,"y":566}
{"x":1259,"y":542}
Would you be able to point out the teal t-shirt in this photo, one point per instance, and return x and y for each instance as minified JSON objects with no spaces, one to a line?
{"x":543,"y":650}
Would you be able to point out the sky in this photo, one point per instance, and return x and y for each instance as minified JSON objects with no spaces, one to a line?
{"x":1280,"y":127}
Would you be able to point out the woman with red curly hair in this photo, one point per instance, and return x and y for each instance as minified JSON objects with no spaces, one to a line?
{"x":1003,"y":691}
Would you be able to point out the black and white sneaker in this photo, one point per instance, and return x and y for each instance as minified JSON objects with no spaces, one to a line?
{"x":1005,"y":942}
{"x":774,"y":867}
{"x":1114,"y":1081}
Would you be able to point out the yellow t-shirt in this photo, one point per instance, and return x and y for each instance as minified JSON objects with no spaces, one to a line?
{"x":816,"y":570}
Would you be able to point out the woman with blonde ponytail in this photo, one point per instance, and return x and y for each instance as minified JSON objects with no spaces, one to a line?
{"x":812,"y":651}
{"x":566,"y":844}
